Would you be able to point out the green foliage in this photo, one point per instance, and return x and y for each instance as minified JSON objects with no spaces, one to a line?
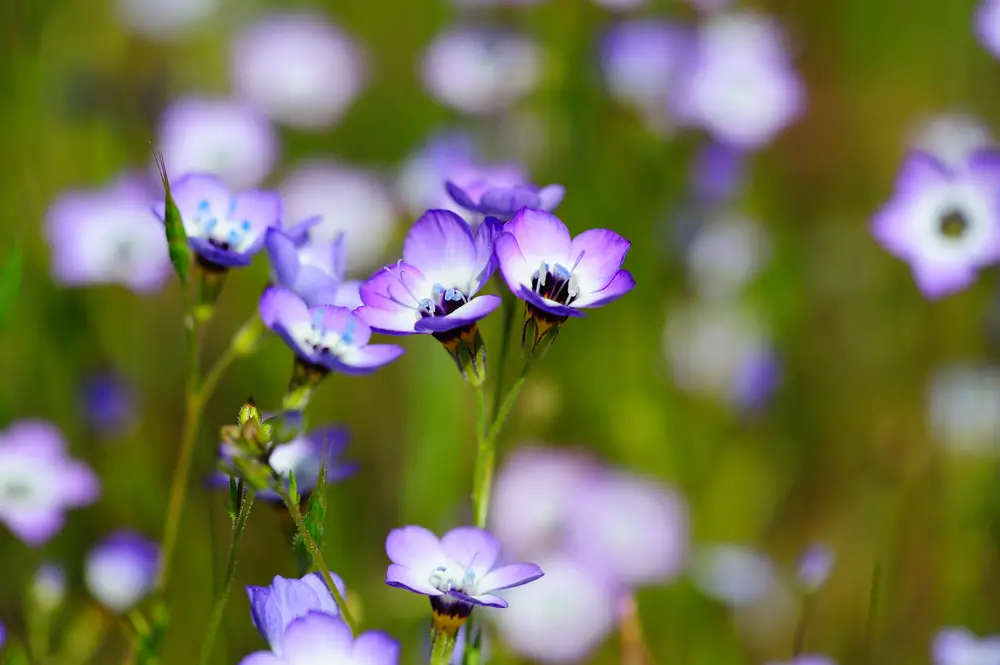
{"x":177,"y":242}
{"x":315,"y":519}
{"x":10,"y":282}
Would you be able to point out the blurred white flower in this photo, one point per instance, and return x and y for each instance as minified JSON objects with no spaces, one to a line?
{"x":963,"y":408}
{"x":298,"y":68}
{"x":162,"y":19}
{"x":952,"y":137}
{"x":350,"y":200}
{"x":120,"y":570}
{"x":725,"y":254}
{"x":733,"y":575}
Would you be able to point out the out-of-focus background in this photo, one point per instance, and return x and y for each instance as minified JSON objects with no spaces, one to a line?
{"x":774,"y":370}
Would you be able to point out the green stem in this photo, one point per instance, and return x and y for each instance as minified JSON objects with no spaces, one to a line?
{"x":441,"y":648}
{"x":317,"y":558}
{"x":507,"y":321}
{"x":227,"y":584}
{"x":216,"y":372}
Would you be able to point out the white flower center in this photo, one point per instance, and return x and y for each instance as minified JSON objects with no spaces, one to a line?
{"x":227,"y":232}
{"x":454,"y":578}
{"x":441,"y":301}
{"x":556,"y":283}
{"x":322,"y":341}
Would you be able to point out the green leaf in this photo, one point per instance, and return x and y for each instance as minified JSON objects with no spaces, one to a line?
{"x":293,"y":488}
{"x":177,"y":242}
{"x":10,"y":282}
{"x":234,"y":500}
{"x":315,"y":520}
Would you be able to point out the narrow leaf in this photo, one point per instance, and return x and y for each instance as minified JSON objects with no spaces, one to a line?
{"x":10,"y":282}
{"x":177,"y":243}
{"x":315,"y":519}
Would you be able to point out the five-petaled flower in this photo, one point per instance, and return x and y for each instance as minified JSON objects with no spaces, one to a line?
{"x":311,"y":267}
{"x":224,"y":229}
{"x":944,"y":221}
{"x":503,"y":197}
{"x":274,"y":607}
{"x":457,"y":571}
{"x":325,"y":337}
{"x":558,"y":276}
{"x":319,"y":637}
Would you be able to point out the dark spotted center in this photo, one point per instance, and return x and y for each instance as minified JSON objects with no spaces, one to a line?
{"x":555,"y":288}
{"x":954,"y":224}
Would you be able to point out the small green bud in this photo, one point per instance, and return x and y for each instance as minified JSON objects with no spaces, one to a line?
{"x":177,"y":242}
{"x":248,"y":412}
{"x":467,"y":349}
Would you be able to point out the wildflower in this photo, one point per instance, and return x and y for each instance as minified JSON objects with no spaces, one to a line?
{"x":641,"y":59}
{"x":318,"y":637}
{"x":945,"y":222}
{"x":961,"y":408}
{"x":229,"y":138}
{"x":502,"y":199}
{"x":48,"y":587}
{"x":734,"y":575}
{"x":348,"y":201}
{"x":951,"y":138}
{"x":274,"y":607}
{"x":958,"y":646}
{"x":718,"y":173}
{"x":557,"y":276}
{"x":121,"y":569}
{"x":815,"y":566}
{"x":458,"y":571}
{"x":988,"y":26}
{"x":313,"y":269}
{"x":481,"y":71}
{"x":107,"y":401}
{"x":740,"y":85}
{"x":39,"y":482}
{"x":303,"y":456}
{"x":298,"y":67}
{"x":224,"y":229}
{"x":326,"y":337}
{"x":727,"y":252}
{"x":108,"y":236}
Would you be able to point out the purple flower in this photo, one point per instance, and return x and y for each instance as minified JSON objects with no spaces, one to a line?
{"x":641,"y":60}
{"x":710,"y":5}
{"x":326,"y":336}
{"x":726,"y":253}
{"x":223,"y":228}
{"x":229,"y":138}
{"x":620,"y":5}
{"x":740,"y":86}
{"x":945,"y":222}
{"x":39,"y":482}
{"x":121,"y":569}
{"x":543,"y":266}
{"x":298,"y":67}
{"x":810,"y":659}
{"x":302,"y":456}
{"x":420,"y":182}
{"x":433,"y":288}
{"x":958,"y":646}
{"x":734,"y":575}
{"x":988,"y":26}
{"x":108,"y":236}
{"x":274,"y":607}
{"x":313,"y":269}
{"x":108,"y":402}
{"x":458,"y":571}
{"x":481,"y":71}
{"x":951,"y":138}
{"x":815,"y":566}
{"x":633,"y":529}
{"x":318,"y":637}
{"x":718,"y":172}
{"x":503,"y":200}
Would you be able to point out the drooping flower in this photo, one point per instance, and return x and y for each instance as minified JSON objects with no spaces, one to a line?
{"x":562,"y":617}
{"x":958,"y":646}
{"x":501,"y":197}
{"x":224,"y":229}
{"x":39,"y":482}
{"x":324,"y":337}
{"x":815,"y":565}
{"x":302,"y":456}
{"x":313,"y":269}
{"x":107,"y":401}
{"x":732,"y":574}
{"x":229,"y":138}
{"x":48,"y":587}
{"x":164,"y":20}
{"x":121,"y":569}
{"x":458,"y":571}
{"x":108,"y":236}
{"x":298,"y":67}
{"x":274,"y":607}
{"x":318,"y":637}
{"x":945,"y":222}
{"x":951,"y":138}
{"x":740,"y":85}
{"x":348,"y":201}
{"x":988,"y":26}
{"x":961,"y":408}
{"x":558,"y":276}
{"x":481,"y":71}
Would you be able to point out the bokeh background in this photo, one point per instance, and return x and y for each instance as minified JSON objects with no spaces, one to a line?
{"x":814,"y":397}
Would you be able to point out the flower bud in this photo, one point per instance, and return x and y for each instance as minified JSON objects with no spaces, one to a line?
{"x":540,"y":332}
{"x":467,"y":349}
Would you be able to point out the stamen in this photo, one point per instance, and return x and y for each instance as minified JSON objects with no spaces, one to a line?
{"x":543,"y":273}
{"x":569,"y":277}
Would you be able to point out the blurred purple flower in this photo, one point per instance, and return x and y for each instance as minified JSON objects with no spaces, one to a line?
{"x":458,"y":571}
{"x":3,"y":634}
{"x":958,"y":646}
{"x":348,"y":201}
{"x":298,"y":67}
{"x":48,"y":587}
{"x":440,"y":158}
{"x":718,"y":172}
{"x":302,"y":456}
{"x":108,"y":401}
{"x":560,"y":618}
{"x":641,"y":59}
{"x":815,"y":566}
{"x":633,"y":529}
{"x":318,"y":637}
{"x":274,"y":607}
{"x":988,"y":26}
{"x":726,"y":253}
{"x":757,"y":381}
{"x":810,"y":659}
{"x":226,"y":137}
{"x":733,"y":575}
{"x":945,"y":222}
{"x":108,"y":236}
{"x":326,"y":336}
{"x":952,"y":138}
{"x":503,"y":201}
{"x":163,"y":20}
{"x":120,"y":570}
{"x":481,"y":71}
{"x":620,"y":5}
{"x":740,"y":85}
{"x":543,"y":266}
{"x":223,"y":228}
{"x":433,"y":288}
{"x":39,"y":482}
{"x":312,"y":269}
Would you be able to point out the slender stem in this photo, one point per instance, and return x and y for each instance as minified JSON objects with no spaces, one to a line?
{"x":798,"y":646}
{"x":441,"y":648}
{"x":215,"y":373}
{"x":227,"y":584}
{"x":317,"y":558}
{"x":507,"y":405}
{"x":507,"y":321}
{"x":869,"y":636}
{"x":634,"y":649}
{"x":483,"y":456}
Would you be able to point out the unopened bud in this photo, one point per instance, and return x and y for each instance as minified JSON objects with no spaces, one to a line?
{"x":467,"y":349}
{"x":540,"y":331}
{"x":248,"y":412}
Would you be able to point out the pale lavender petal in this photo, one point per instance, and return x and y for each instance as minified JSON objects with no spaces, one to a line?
{"x":399,"y":321}
{"x":485,"y":599}
{"x":507,"y":201}
{"x":988,"y":26}
{"x":549,"y":306}
{"x":279,"y":307}
{"x":375,"y":648}
{"x":471,"y":548}
{"x":514,"y":269}
{"x":368,"y":359}
{"x":414,"y":547}
{"x":550,"y":197}
{"x":35,"y":525}
{"x":600,"y":254}
{"x":284,"y":256}
{"x":440,"y":241}
{"x":342,"y":321}
{"x":622,"y":283}
{"x":317,"y":288}
{"x":194,"y":192}
{"x":299,"y":232}
{"x":511,"y":576}
{"x":411,"y":579}
{"x":121,"y":569}
{"x":392,"y":288}
{"x":317,"y":637}
{"x":920,"y":171}
{"x":79,"y":484}
{"x":486,"y":236}
{"x":460,"y":196}
{"x":36,"y":438}
{"x":954,"y":646}
{"x":541,"y":236}
{"x":348,"y":295}
{"x":263,"y":658}
{"x":470,"y":312}
{"x":936,"y":280}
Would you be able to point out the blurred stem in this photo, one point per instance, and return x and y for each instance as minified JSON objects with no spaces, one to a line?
{"x":633,"y":641}
{"x":869,"y":635}
{"x":483,"y":456}
{"x":442,"y":647}
{"x":215,"y":373}
{"x":220,"y":604}
{"x":798,"y":646}
{"x":317,"y":558}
